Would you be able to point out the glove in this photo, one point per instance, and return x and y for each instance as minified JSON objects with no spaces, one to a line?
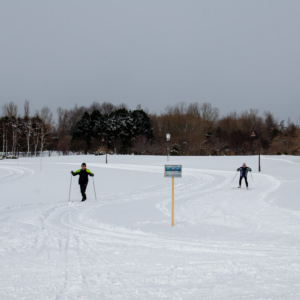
{"x":92,"y":175}
{"x":72,"y":173}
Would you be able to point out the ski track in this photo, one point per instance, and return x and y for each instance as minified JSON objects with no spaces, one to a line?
{"x":281,"y":160}
{"x":15,"y":173}
{"x":64,"y":246}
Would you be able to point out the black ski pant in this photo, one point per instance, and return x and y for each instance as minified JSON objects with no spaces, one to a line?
{"x":245,"y":180}
{"x":83,"y":189}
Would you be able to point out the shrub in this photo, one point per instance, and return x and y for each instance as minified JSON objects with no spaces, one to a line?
{"x":100,"y":153}
{"x":175,"y":150}
{"x":11,"y":157}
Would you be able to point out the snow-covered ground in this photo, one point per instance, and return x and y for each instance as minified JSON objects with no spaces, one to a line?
{"x":227,"y":243}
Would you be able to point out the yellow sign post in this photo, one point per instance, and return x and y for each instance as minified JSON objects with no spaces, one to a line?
{"x":172,"y":201}
{"x":173,"y":171}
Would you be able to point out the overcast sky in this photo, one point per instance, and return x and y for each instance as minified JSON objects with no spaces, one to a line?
{"x":234,"y":54}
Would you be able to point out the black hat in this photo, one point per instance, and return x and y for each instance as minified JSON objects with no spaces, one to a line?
{"x":83,"y":164}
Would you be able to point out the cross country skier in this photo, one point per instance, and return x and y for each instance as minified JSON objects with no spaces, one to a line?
{"x":243,"y":174}
{"x":83,"y":179}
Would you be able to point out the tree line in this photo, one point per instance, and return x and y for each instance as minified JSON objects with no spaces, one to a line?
{"x":25,"y":134}
{"x":198,"y":129}
{"x":195,"y":129}
{"x":121,"y":130}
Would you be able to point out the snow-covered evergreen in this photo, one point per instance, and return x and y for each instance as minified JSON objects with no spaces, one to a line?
{"x":121,"y":125}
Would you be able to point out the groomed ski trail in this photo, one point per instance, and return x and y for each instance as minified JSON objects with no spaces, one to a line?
{"x":66,"y":251}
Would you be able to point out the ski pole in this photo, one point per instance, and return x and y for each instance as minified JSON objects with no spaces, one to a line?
{"x":234,"y":176}
{"x":94,"y":188}
{"x":251,"y":176}
{"x":70,"y":189}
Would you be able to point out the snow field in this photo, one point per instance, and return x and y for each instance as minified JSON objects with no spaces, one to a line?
{"x":227,"y":243}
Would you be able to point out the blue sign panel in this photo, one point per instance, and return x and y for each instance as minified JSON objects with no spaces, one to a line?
{"x":173,"y":171}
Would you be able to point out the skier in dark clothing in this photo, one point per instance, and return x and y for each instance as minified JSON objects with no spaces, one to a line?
{"x":83,"y":179}
{"x":243,"y":174}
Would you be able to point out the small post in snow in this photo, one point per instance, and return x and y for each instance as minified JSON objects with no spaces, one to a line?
{"x":173,"y":201}
{"x":105,"y":140}
{"x":173,"y":171}
{"x":41,"y":162}
{"x":94,"y":188}
{"x":168,"y":137}
{"x":70,"y":190}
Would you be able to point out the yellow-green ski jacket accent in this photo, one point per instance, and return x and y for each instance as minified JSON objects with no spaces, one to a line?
{"x":83,"y":175}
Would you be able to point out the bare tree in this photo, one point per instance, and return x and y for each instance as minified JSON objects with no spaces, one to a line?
{"x":270,"y":121}
{"x":209,"y":113}
{"x":62,"y":121}
{"x":10,"y":110}
{"x":141,"y":145}
{"x":36,"y":131}
{"x":193,"y":109}
{"x":44,"y":133}
{"x":107,"y":108}
{"x":4,"y":132}
{"x":15,"y":129}
{"x":46,"y":116}
{"x":26,"y":109}
{"x":95,"y":106}
{"x":27,"y":130}
{"x":122,"y":105}
{"x":218,"y":144}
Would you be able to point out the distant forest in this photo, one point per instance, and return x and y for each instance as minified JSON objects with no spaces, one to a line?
{"x":195,"y":129}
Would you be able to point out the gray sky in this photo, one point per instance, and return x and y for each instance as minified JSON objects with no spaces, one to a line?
{"x":235,"y":54}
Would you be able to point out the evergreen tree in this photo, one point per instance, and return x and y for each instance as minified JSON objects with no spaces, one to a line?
{"x":84,"y":130}
{"x":99,"y":123}
{"x":142,"y":124}
{"x":175,"y":150}
{"x":119,"y":126}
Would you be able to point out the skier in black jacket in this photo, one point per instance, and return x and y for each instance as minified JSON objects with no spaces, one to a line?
{"x":243,"y":174}
{"x":83,"y":179}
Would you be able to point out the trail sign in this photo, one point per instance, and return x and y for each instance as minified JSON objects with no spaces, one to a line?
{"x":172,"y":171}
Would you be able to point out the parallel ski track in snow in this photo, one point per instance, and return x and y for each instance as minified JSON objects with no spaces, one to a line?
{"x":281,"y":160}
{"x":194,"y":185}
{"x":111,"y":236}
{"x":15,"y":173}
{"x":198,"y":184}
{"x":56,"y":234}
